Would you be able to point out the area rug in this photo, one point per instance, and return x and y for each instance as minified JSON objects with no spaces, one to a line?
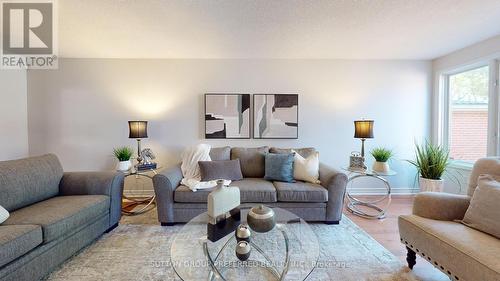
{"x":142,"y":252}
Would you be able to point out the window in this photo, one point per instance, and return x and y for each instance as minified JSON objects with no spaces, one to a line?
{"x":468,"y":114}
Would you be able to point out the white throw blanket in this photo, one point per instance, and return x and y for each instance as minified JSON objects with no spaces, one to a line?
{"x":191,"y":170}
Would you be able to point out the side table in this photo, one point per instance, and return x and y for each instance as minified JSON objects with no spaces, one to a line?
{"x":149,"y":201}
{"x":354,"y":203}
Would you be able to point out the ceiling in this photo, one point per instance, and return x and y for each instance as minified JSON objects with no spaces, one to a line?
{"x":335,"y":29}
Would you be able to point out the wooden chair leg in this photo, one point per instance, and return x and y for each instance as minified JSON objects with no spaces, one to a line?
{"x":411,"y":257}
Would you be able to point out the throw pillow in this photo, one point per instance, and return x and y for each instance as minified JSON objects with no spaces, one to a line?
{"x":4,"y":214}
{"x":483,"y":213}
{"x":306,"y":169}
{"x":225,"y":169}
{"x":279,"y":167}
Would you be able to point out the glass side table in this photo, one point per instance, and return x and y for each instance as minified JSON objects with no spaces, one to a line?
{"x":148,"y":202}
{"x":353,"y":204}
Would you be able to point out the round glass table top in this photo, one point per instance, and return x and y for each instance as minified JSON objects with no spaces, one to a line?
{"x":287,"y":252}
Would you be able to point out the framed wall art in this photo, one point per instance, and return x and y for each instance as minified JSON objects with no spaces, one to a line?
{"x":276,"y":116}
{"x":227,"y":116}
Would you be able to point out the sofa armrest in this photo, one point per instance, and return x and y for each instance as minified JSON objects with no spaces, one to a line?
{"x":336,"y":182}
{"x":165,"y":183}
{"x":440,"y":206}
{"x":96,"y":183}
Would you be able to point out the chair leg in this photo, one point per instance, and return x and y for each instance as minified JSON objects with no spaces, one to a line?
{"x":411,"y":257}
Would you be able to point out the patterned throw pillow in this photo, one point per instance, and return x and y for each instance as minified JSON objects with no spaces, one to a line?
{"x":279,"y":167}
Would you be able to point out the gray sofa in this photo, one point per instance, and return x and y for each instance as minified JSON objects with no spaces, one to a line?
{"x":312,"y":202}
{"x":52,"y":214}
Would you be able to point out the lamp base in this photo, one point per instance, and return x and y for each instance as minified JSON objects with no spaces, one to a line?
{"x":139,"y":157}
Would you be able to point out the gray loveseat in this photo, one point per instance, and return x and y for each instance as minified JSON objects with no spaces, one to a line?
{"x":312,"y":202}
{"x":52,"y":214}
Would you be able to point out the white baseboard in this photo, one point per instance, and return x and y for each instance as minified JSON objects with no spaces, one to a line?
{"x":380,"y":191}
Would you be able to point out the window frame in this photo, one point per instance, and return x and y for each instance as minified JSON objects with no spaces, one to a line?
{"x":443,"y":122}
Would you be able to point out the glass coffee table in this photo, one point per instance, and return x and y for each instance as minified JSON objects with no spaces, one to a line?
{"x":288,"y":252}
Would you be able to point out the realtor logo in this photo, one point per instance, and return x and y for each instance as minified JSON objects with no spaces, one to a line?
{"x":28,"y":35}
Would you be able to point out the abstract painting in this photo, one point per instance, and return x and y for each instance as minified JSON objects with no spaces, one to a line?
{"x":227,"y":116}
{"x":276,"y":116}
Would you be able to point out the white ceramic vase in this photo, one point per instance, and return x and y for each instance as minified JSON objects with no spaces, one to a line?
{"x":222,"y":200}
{"x":381,"y":167}
{"x":124,"y":166}
{"x":430,"y":185}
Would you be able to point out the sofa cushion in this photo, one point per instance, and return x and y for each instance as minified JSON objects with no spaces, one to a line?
{"x":304,"y":152}
{"x":467,"y":253}
{"x":220,"y":153}
{"x":300,"y":192}
{"x":17,"y":240}
{"x":30,"y":180}
{"x":225,"y":169}
{"x":252,"y":190}
{"x":484,"y":212}
{"x":279,"y":167}
{"x":62,"y":214}
{"x":252,"y":160}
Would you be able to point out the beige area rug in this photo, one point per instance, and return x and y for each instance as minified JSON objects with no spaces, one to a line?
{"x":142,"y":252}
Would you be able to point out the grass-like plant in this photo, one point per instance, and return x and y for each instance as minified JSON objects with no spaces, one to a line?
{"x":431,"y":160}
{"x":381,"y":154}
{"x":123,"y":153}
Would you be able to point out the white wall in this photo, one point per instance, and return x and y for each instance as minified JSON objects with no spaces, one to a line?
{"x":13,"y":115}
{"x":80,"y":111}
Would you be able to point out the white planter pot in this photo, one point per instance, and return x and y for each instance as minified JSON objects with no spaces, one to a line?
{"x":124,"y":166}
{"x":430,"y":185}
{"x":381,"y":167}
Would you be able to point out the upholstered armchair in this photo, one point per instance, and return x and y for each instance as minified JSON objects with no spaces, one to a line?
{"x":435,"y":233}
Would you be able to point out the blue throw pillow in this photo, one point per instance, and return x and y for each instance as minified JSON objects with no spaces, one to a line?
{"x":279,"y":167}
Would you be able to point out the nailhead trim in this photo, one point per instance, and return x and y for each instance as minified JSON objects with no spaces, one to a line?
{"x":429,"y":259}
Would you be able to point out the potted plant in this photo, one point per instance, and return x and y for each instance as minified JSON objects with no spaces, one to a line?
{"x":381,"y":155}
{"x":123,"y":154}
{"x":431,"y":162}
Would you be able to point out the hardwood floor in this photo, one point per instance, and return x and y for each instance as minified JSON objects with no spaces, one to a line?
{"x":386,"y":232}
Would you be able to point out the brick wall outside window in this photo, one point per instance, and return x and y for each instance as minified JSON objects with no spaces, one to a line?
{"x":469,"y":134}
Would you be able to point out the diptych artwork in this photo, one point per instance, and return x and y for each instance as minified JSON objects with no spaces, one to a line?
{"x":275,"y":116}
{"x":227,"y":116}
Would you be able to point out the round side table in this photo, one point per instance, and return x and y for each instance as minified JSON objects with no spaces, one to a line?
{"x":354,"y":203}
{"x":148,"y":202}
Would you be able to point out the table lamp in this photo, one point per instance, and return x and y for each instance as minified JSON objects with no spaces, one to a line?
{"x":363,"y":129}
{"x":138,"y":130}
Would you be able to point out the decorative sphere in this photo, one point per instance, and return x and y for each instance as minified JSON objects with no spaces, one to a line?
{"x":261,"y":219}
{"x":243,"y":250}
{"x":242,"y":233}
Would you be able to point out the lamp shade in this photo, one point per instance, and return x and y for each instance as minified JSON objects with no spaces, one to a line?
{"x":363,"y":129}
{"x":138,"y":129}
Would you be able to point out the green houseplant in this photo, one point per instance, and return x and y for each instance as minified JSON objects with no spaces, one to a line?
{"x":382,"y":156}
{"x":123,"y":154}
{"x":431,"y":161}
